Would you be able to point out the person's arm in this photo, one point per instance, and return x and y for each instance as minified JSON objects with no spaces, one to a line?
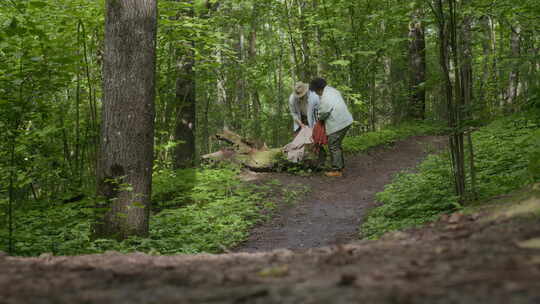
{"x":324,"y":109}
{"x":316,"y":104}
{"x":295,"y":115}
{"x":313,"y":107}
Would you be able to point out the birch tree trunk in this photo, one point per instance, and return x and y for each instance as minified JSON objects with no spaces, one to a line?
{"x":488,"y":47}
{"x":255,"y":98}
{"x":514,"y":85}
{"x":124,"y":176}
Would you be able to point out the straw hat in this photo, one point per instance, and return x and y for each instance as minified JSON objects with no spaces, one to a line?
{"x":300,"y":89}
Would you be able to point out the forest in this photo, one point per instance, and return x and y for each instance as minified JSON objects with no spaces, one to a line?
{"x":84,"y":95}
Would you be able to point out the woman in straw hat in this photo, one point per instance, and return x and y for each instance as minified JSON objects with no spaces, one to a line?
{"x":303,"y":105}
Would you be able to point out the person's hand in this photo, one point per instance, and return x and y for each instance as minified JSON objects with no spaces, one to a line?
{"x":303,"y":126}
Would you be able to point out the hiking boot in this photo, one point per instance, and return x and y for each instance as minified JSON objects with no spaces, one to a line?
{"x":334,"y":174}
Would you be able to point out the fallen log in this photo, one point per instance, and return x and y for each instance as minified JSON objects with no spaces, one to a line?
{"x":256,"y":158}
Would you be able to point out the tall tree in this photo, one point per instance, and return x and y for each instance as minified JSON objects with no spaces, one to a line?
{"x":417,"y":67}
{"x":184,"y":155}
{"x":252,"y":56}
{"x":514,"y":85}
{"x":446,"y":12}
{"x":186,"y":112}
{"x":489,"y":65}
{"x":127,"y":138}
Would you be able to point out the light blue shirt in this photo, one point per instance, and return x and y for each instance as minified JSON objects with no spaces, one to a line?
{"x":311,"y":111}
{"x":334,"y":111}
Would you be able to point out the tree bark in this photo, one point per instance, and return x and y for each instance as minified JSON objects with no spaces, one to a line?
{"x":448,"y":45}
{"x":186,"y":106}
{"x":297,"y":66}
{"x":514,"y":85}
{"x":184,"y":156}
{"x":417,"y":68}
{"x":124,"y":175}
{"x":244,"y":152}
{"x":255,"y":98}
{"x":488,"y":47}
{"x":466,"y":63}
{"x":306,"y":52}
{"x":240,"y":108}
{"x":467,"y":93}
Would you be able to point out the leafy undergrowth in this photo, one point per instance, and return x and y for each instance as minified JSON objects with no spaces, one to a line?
{"x":204,"y":210}
{"x":506,"y":159}
{"x":358,"y":144}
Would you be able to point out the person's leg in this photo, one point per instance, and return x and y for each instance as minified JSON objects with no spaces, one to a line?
{"x":342,"y":135}
{"x":322,"y":157}
{"x":336,"y":151}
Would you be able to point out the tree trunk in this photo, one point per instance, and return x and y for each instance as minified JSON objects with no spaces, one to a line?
{"x":184,"y":156}
{"x":417,"y":68}
{"x":488,"y":46}
{"x":514,"y":85}
{"x":184,"y":133}
{"x":240,"y":107}
{"x":297,"y":66}
{"x":467,"y":90}
{"x":448,"y":45}
{"x":457,"y":139}
{"x":244,"y":152}
{"x":127,"y":137}
{"x":467,"y":64}
{"x":205,"y":146}
{"x":306,"y":52}
{"x":255,"y":98}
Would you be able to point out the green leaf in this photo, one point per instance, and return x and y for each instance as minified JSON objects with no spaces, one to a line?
{"x":38,"y":4}
{"x":12,"y":28}
{"x":366,"y":53}
{"x":340,"y":62}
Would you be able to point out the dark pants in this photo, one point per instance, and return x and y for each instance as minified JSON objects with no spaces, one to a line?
{"x":336,"y":151}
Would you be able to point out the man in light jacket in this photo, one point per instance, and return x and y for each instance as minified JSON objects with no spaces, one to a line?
{"x":337,"y":120}
{"x":303,"y":105}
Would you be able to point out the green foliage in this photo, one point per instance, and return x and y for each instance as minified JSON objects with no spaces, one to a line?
{"x":413,"y":198}
{"x":505,"y":160}
{"x":203,"y":210}
{"x":503,"y":151}
{"x":534,"y":157}
{"x":362,"y":143}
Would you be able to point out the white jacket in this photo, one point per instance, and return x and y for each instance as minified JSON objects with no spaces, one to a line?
{"x":333,"y":111}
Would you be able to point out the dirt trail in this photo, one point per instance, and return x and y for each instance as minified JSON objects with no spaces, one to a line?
{"x":334,"y":207}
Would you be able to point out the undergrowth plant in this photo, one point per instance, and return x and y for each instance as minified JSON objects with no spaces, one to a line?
{"x":507,"y":153}
{"x":362,"y":143}
{"x":195,"y":210}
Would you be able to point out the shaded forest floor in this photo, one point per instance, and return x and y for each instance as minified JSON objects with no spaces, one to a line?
{"x":333,"y":209}
{"x":488,"y":254}
{"x":491,"y":255}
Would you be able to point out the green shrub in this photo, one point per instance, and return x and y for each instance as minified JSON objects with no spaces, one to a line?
{"x":361,"y":143}
{"x":203,"y":210}
{"x":534,"y":157}
{"x":505,"y":159}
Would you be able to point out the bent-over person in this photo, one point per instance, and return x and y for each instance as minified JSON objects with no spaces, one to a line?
{"x":303,"y":105}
